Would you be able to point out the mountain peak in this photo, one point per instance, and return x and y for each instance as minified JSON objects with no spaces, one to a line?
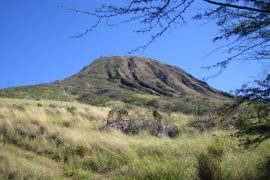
{"x":144,"y":75}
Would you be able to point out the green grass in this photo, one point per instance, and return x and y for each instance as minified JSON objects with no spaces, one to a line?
{"x":35,"y":92}
{"x":16,"y":163}
{"x":63,"y":139}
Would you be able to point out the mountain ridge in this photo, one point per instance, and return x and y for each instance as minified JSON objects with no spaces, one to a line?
{"x":146,"y":75}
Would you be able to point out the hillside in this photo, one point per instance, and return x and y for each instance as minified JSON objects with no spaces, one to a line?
{"x":50,"y":131}
{"x":141,"y":75}
{"x":62,"y":140}
{"x":129,"y":79}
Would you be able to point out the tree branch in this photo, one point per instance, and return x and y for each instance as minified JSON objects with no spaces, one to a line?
{"x":238,"y":7}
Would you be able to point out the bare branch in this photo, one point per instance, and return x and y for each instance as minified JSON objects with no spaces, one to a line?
{"x":238,"y":7}
{"x":244,"y":25}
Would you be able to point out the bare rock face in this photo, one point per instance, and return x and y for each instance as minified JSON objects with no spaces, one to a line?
{"x":135,"y":126}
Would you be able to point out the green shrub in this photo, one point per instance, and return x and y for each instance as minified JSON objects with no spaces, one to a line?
{"x":79,"y":150}
{"x":76,"y":173}
{"x":19,"y":107}
{"x":71,"y":109}
{"x":153,"y":167}
{"x":102,"y":100}
{"x":152,"y":102}
{"x":209,"y":167}
{"x":103,"y":161}
{"x":66,"y":123}
{"x":220,"y":147}
{"x":264,"y":168}
{"x":52,"y":105}
{"x":209,"y":164}
{"x":39,"y":104}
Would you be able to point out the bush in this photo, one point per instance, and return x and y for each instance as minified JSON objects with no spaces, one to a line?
{"x":152,"y":102}
{"x":220,"y":147}
{"x":71,"y":109}
{"x":19,"y":107}
{"x":103,"y":161}
{"x":52,"y":105}
{"x":209,"y":164}
{"x":76,"y":173}
{"x":264,"y":168}
{"x":209,"y":167}
{"x":66,"y":123}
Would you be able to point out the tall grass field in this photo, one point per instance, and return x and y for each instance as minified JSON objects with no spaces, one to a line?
{"x":47,"y":139}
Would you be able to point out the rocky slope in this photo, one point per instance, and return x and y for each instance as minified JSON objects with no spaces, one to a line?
{"x":140,"y":75}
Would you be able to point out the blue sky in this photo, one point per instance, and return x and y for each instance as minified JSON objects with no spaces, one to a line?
{"x":35,"y":46}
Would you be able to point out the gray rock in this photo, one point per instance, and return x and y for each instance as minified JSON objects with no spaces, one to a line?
{"x":135,"y":126}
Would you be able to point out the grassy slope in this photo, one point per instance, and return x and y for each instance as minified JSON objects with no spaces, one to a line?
{"x":58,"y":92}
{"x":55,"y":140}
{"x":35,"y":92}
{"x":16,"y":162}
{"x":93,"y":87}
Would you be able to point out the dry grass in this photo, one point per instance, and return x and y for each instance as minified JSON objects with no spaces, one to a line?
{"x":77,"y":126}
{"x":57,"y":129}
{"x":56,"y":116}
{"x":67,"y":136}
{"x":17,"y":163}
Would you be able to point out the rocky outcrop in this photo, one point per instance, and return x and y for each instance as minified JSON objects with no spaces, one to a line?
{"x":135,"y":126}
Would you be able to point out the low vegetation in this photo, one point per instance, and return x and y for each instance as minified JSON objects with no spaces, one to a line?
{"x":47,"y":139}
{"x":35,"y":92}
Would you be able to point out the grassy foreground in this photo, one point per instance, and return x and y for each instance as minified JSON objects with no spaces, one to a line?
{"x":59,"y":140}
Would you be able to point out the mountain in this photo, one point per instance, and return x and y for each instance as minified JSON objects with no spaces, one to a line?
{"x":138,"y":74}
{"x":130,"y":79}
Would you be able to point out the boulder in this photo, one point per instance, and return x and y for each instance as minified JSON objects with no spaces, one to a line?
{"x":135,"y":126}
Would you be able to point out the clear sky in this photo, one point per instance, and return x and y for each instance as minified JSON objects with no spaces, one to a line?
{"x":35,"y":46}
